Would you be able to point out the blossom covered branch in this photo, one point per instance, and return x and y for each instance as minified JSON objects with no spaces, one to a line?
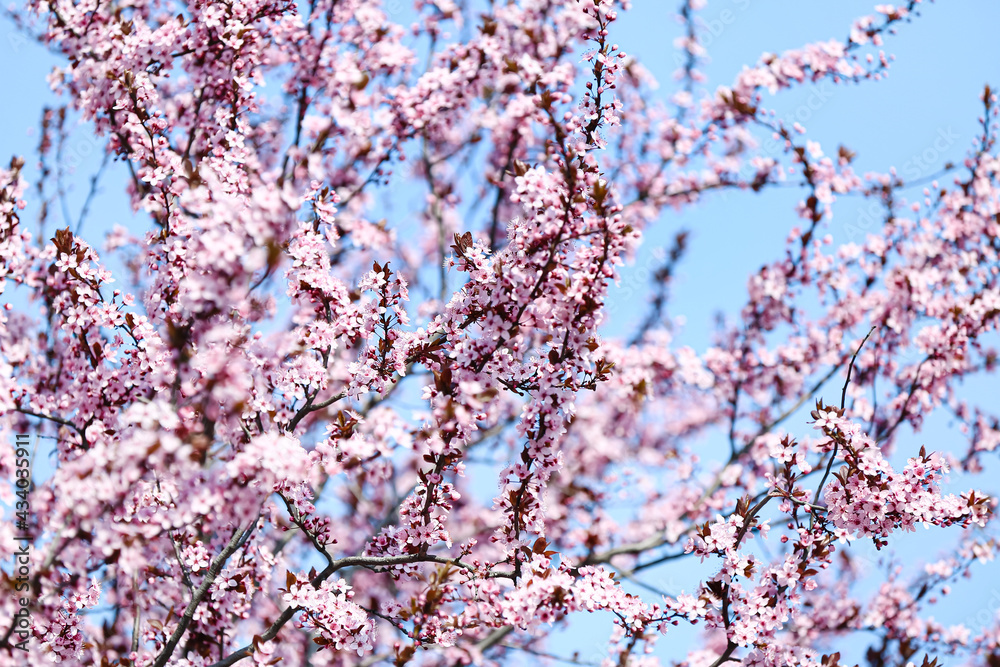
{"x":283,"y":371}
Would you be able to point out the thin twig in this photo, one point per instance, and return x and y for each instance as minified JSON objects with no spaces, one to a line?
{"x":843,"y":402}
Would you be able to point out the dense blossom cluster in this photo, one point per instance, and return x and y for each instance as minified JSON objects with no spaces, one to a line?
{"x":340,"y":624}
{"x":868,"y":498}
{"x":298,"y":419}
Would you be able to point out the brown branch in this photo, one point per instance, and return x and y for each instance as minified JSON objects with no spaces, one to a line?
{"x":843,"y":402}
{"x":368,"y":562}
{"x":238,"y":539}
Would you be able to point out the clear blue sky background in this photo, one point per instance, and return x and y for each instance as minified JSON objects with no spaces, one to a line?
{"x":943,"y":60}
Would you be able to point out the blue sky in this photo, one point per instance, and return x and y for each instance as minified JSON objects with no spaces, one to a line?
{"x":923,"y":114}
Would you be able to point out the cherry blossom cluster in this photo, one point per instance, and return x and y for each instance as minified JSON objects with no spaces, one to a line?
{"x":340,"y":623}
{"x":342,"y":392}
{"x":867,"y":498}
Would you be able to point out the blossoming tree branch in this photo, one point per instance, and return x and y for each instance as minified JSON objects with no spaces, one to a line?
{"x":300,"y":425}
